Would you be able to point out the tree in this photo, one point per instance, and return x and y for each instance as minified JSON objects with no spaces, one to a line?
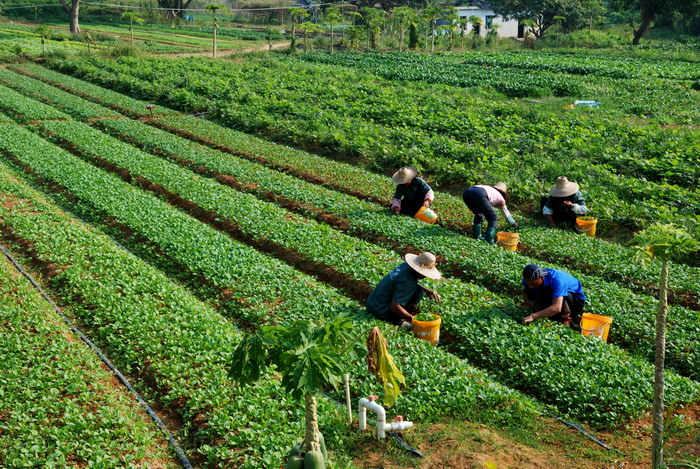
{"x":651,"y":10}
{"x":133,"y":17}
{"x":542,"y":12}
{"x":374,"y":19}
{"x":475,"y":33}
{"x":308,"y":28}
{"x":296,"y":13}
{"x":73,"y":11}
{"x":450,"y":15}
{"x":332,"y":18}
{"x":402,"y":18}
{"x":309,"y":356}
{"x":213,"y":8}
{"x":431,"y":15}
{"x":175,"y":7}
{"x":666,"y":243}
{"x":271,"y":34}
{"x":45,"y":33}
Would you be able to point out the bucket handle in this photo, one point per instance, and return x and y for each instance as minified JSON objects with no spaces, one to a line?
{"x":583,"y":231}
{"x":507,"y":244}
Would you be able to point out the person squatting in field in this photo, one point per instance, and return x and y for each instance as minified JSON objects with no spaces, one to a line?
{"x":481,"y":199}
{"x":553,"y":294}
{"x":397,"y":294}
{"x":564,"y":203}
{"x":411,"y":194}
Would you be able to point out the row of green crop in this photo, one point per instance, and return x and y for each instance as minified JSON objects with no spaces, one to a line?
{"x":634,"y":314}
{"x":388,"y":125}
{"x":261,"y":290}
{"x":412,"y":67}
{"x":604,"y":259}
{"x":366,"y":264}
{"x":664,"y":100}
{"x":26,"y":109}
{"x":58,"y":405}
{"x":583,"y":64}
{"x":59,"y":99}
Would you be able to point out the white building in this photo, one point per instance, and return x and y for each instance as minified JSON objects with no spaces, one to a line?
{"x":483,"y":10}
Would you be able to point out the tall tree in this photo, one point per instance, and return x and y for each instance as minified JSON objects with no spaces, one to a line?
{"x":133,"y":17}
{"x":296,"y":13}
{"x":175,"y":7}
{"x":651,"y":10}
{"x":666,"y":243}
{"x":431,"y":15}
{"x":213,"y":8}
{"x":402,"y":18}
{"x":576,"y":12}
{"x":332,"y":18}
{"x":308,"y":27}
{"x":374,"y":19}
{"x":73,"y":10}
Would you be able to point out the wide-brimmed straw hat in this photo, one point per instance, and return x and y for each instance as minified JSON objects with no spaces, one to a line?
{"x":502,"y":188}
{"x":404,"y":175}
{"x":563,"y":188}
{"x":424,"y":264}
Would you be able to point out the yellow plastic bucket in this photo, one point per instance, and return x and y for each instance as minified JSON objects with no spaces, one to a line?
{"x":427,"y":215}
{"x":508,"y":241}
{"x":586,"y":225}
{"x":428,"y":330}
{"x":596,"y":325}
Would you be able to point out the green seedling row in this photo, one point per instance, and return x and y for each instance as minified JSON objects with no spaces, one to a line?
{"x":633,"y":313}
{"x":25,"y":109}
{"x":367,"y":264}
{"x":62,"y":100}
{"x":262,"y":290}
{"x":59,"y":406}
{"x":122,"y":103}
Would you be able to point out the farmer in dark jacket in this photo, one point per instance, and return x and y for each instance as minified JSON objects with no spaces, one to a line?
{"x":397,"y":294}
{"x":411,"y":194}
{"x":553,"y":294}
{"x":564,"y":203}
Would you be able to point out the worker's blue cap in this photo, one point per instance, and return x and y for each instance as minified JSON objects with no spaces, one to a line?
{"x":533,"y":272}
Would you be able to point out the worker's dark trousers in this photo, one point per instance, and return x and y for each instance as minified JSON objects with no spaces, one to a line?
{"x":478,"y":203}
{"x":411,"y":206}
{"x":560,"y":213}
{"x":544,"y":300}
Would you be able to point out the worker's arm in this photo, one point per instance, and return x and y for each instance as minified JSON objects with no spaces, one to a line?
{"x":400,"y":311}
{"x":432,"y":293}
{"x":429,"y":197}
{"x":508,"y":216}
{"x":549,"y":311}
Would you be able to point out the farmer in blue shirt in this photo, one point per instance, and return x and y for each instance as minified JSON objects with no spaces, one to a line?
{"x":553,"y":294}
{"x":395,"y":298}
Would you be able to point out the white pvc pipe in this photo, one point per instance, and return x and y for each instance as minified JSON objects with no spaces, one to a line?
{"x":347,"y":396}
{"x":382,"y":426}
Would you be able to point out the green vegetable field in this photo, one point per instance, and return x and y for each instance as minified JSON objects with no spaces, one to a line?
{"x":168,"y":237}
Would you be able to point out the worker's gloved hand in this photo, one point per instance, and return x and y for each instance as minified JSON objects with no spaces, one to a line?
{"x":426,"y":204}
{"x":395,"y":210}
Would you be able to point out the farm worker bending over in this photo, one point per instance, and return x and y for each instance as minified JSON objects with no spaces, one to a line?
{"x":411,"y":194}
{"x":395,"y":298}
{"x":553,"y":294}
{"x":564,"y":202}
{"x":481,"y":200}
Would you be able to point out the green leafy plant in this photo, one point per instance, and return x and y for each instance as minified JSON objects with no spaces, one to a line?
{"x":308,"y":355}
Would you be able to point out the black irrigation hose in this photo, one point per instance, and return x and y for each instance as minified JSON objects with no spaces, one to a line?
{"x":586,"y":433}
{"x":117,"y":373}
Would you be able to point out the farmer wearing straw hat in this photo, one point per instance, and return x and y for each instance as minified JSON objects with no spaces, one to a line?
{"x":553,"y":294}
{"x":411,"y":194}
{"x":481,"y":199}
{"x":397,"y":294}
{"x":565,"y":202}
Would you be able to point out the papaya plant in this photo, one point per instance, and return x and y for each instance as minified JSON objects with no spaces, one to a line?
{"x":666,"y":242}
{"x":309,"y":356}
